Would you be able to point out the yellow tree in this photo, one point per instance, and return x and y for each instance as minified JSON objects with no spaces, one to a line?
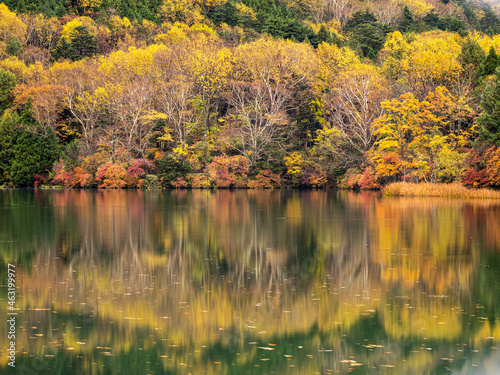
{"x":416,"y":138}
{"x":423,"y":64}
{"x":174,"y":97}
{"x":130,"y":80}
{"x":208,"y":67}
{"x":47,"y":103}
{"x":12,"y":29}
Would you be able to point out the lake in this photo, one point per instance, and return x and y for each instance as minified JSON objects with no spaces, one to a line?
{"x":250,"y":282}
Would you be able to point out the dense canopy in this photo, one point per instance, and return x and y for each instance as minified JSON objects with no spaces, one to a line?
{"x":252,"y":93}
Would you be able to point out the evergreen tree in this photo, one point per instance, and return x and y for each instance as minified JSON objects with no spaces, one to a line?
{"x":62,"y":50}
{"x":471,"y":54}
{"x":146,"y":10}
{"x":432,"y":21}
{"x":7,"y":123}
{"x":83,"y":44}
{"x":360,"y":18}
{"x":453,"y":24}
{"x":490,"y":64}
{"x":32,"y":155}
{"x":408,"y":23}
{"x":324,"y":35}
{"x":489,"y":24}
{"x":471,"y":57}
{"x":224,"y":13}
{"x":489,"y":120}
{"x":7,"y":83}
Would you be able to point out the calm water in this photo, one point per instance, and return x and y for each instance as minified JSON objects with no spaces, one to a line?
{"x":257,"y":282}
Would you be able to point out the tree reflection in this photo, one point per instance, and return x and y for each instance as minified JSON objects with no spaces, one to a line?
{"x":289,"y":281}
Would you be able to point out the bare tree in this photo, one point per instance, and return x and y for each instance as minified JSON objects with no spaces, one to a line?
{"x":260,"y":118}
{"x":174,"y":99}
{"x":353,"y":103}
{"x":339,"y":10}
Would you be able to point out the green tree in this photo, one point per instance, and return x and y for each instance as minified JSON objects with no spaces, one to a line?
{"x":62,"y":50}
{"x":408,"y":23}
{"x":83,"y":44}
{"x":489,"y":119}
{"x":489,"y":24}
{"x":489,"y":64}
{"x":7,"y":83}
{"x":471,"y":58}
{"x":7,"y":123}
{"x":33,"y":155}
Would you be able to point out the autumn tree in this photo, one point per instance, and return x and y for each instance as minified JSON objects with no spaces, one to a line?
{"x":353,"y":103}
{"x":422,"y":64}
{"x":414,"y":139}
{"x":47,"y":103}
{"x":471,"y":59}
{"x":270,"y":71}
{"x":12,"y":30}
{"x":208,"y":67}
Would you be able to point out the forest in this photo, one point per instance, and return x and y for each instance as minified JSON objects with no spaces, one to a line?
{"x":248,"y":93}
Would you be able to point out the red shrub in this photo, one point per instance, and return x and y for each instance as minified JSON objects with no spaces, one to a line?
{"x":111,"y":176}
{"x":317,"y":179}
{"x":367,"y":180}
{"x":147,"y":165}
{"x":81,"y":178}
{"x":61,"y":175}
{"x":229,"y":171}
{"x":475,"y":174}
{"x":39,"y":179}
{"x":179,"y":183}
{"x":134,"y":177}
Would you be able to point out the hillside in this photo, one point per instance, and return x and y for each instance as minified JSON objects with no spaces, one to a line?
{"x":252,"y":93}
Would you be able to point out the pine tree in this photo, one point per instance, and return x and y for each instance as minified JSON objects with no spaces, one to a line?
{"x":62,"y":50}
{"x":7,"y":83}
{"x":7,"y":123}
{"x":489,"y":120}
{"x":489,"y":24}
{"x":471,"y":54}
{"x":83,"y":44}
{"x":408,"y":23}
{"x":490,"y":64}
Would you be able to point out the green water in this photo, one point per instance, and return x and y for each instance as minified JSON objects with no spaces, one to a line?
{"x":250,"y":282}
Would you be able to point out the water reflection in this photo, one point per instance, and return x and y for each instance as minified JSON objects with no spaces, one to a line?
{"x":260,"y":282}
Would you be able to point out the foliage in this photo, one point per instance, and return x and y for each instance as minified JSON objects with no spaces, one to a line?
{"x":366,"y":33}
{"x":200,"y":82}
{"x":414,"y":140}
{"x":111,"y":176}
{"x":7,"y":83}
{"x":170,"y":168}
{"x":367,"y":181}
{"x":200,"y":181}
{"x":82,"y":44}
{"x":229,"y":171}
{"x":32,"y":155}
{"x":7,"y":138}
{"x":265,"y":179}
{"x":489,"y":119}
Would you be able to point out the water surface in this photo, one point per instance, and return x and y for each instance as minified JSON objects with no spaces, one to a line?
{"x":257,"y":282}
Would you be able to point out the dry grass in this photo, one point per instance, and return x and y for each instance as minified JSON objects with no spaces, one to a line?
{"x":454,"y":190}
